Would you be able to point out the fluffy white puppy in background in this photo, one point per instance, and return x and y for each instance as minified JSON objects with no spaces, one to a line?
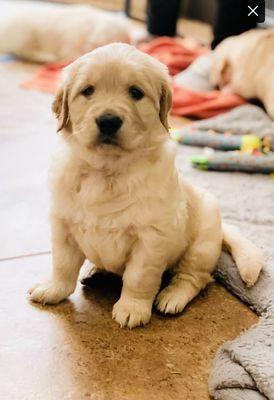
{"x":244,"y":65}
{"x":46,"y":32}
{"x":117,"y":199}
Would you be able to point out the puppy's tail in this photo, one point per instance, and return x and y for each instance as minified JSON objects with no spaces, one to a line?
{"x":248,"y":258}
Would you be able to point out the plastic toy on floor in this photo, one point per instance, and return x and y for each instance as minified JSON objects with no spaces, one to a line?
{"x":247,"y":119}
{"x":251,"y":153}
{"x":218,"y":141}
{"x":235,"y":161}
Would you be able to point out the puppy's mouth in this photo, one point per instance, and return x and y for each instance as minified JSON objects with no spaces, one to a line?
{"x":108,"y":141}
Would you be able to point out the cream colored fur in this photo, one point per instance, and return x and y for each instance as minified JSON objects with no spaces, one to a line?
{"x":244,"y":65}
{"x":46,"y":32}
{"x":123,"y":207}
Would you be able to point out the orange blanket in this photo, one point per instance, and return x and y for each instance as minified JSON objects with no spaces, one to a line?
{"x":47,"y":78}
{"x":202,"y":105}
{"x":176,"y":53}
{"x":177,"y":57}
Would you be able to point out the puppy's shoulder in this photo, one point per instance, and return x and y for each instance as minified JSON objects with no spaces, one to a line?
{"x":65,"y":169}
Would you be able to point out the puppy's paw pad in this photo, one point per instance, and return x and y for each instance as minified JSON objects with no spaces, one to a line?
{"x":131,"y":313}
{"x":49,"y":293}
{"x":171,"y":301}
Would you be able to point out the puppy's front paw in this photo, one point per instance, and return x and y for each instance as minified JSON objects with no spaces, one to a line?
{"x":49,"y":292}
{"x":171,"y":300}
{"x":131,"y":312}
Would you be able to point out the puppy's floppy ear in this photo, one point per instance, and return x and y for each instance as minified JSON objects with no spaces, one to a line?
{"x":221,"y":74}
{"x":60,"y":108}
{"x":165,"y":103}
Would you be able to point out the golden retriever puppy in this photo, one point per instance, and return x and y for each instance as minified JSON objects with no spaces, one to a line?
{"x":46,"y":32}
{"x":117,"y":199}
{"x":244,"y":64}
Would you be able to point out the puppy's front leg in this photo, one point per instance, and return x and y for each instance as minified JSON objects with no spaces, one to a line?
{"x":67,"y":261}
{"x":141,"y":282}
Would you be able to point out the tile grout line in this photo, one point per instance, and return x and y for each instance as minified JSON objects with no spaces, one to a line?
{"x":42,"y":253}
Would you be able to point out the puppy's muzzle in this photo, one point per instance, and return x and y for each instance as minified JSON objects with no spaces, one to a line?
{"x":108,"y":125}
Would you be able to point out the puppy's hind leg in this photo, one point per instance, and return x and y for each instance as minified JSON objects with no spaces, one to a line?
{"x":194,"y":269}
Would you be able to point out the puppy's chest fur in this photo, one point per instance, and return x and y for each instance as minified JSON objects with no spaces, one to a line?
{"x":107,"y":214}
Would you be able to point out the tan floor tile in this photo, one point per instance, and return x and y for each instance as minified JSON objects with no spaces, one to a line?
{"x":76,"y":351}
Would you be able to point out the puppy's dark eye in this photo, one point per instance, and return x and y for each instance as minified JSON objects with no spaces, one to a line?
{"x":136,"y":93}
{"x":88,"y":91}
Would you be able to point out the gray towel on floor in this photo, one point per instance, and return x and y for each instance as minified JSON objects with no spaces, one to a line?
{"x":242,"y":120}
{"x":244,"y":368}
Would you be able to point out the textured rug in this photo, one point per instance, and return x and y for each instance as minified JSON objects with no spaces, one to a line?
{"x":244,"y":120}
{"x":244,"y":368}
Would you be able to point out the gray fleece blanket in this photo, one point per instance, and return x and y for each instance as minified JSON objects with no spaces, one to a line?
{"x":244,"y":368}
{"x":243,"y":120}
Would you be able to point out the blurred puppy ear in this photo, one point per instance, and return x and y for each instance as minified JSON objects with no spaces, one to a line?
{"x":60,"y":108}
{"x":226,"y":74}
{"x":165,"y":103}
{"x":221,"y":71}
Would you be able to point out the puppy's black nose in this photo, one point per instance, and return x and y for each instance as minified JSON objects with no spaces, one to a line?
{"x":108,"y":124}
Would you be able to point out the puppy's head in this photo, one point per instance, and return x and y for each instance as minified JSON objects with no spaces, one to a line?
{"x":114,"y":100}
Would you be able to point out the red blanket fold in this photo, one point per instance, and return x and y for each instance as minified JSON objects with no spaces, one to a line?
{"x":47,"y":78}
{"x":173,"y":52}
{"x":202,"y":105}
{"x":177,"y":57}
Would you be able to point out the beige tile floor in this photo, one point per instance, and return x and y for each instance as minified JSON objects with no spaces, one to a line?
{"x":74,"y":350}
